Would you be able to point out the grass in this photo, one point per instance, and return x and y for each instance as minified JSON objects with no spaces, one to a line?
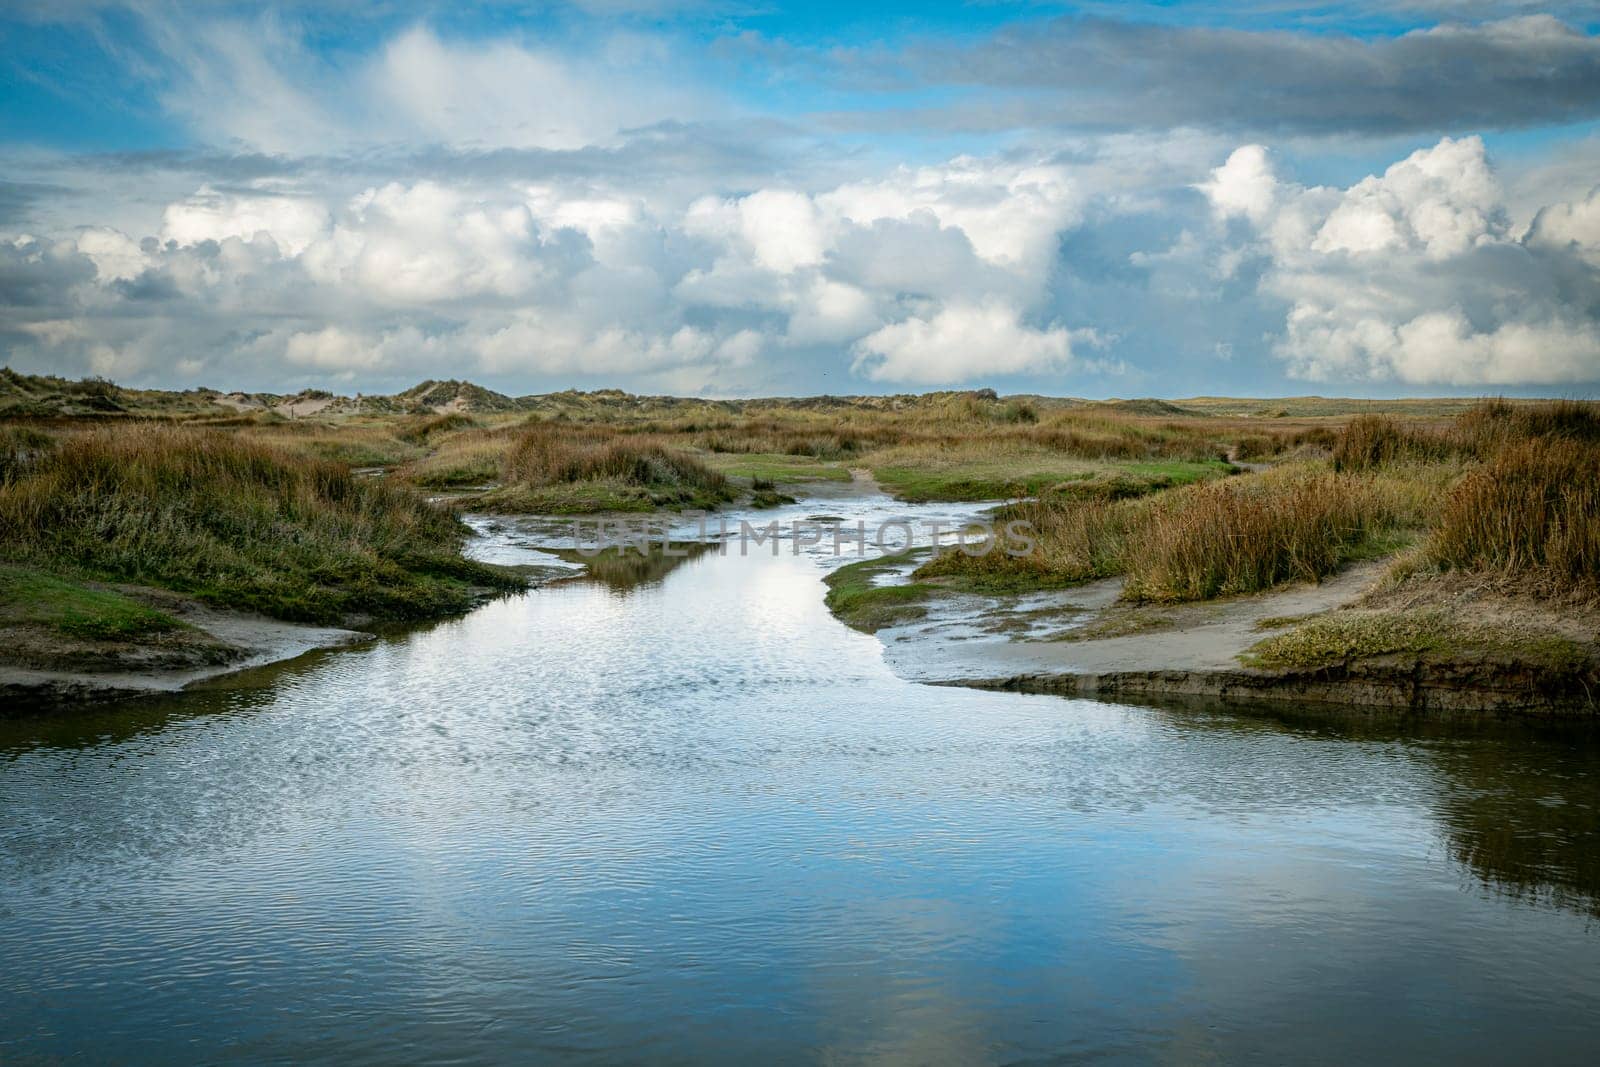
{"x":856,"y":598}
{"x":1066,"y":543}
{"x":773,"y":467}
{"x":472,"y":458}
{"x":562,"y":471}
{"x":1250,"y":534}
{"x":1345,"y":636}
{"x":988,"y":472}
{"x":1341,"y":637}
{"x":1220,"y":538}
{"x":353,"y":443}
{"x":31,"y":597}
{"x":237,"y":523}
{"x":1531,"y":515}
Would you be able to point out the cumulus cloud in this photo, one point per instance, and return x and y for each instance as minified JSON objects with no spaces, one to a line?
{"x":550,"y":207}
{"x":560,"y":278}
{"x":961,"y":342}
{"x":1416,"y":275}
{"x":293,"y":222}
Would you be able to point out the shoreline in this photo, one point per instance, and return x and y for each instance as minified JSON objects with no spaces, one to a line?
{"x":234,"y":642}
{"x":1080,"y":640}
{"x":1085,"y":641}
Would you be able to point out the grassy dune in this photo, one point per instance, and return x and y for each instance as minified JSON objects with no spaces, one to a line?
{"x":234,"y":522}
{"x":562,"y":471}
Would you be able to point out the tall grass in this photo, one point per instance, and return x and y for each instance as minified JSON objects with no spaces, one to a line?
{"x":545,"y":457}
{"x":1249,"y":534}
{"x":565,"y":468}
{"x":1066,"y":543}
{"x":238,"y":523}
{"x":1531,"y":515}
{"x":1370,"y":441}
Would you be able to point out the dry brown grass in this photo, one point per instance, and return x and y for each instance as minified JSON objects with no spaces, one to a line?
{"x":1249,"y":534}
{"x":236,"y":522}
{"x":1530,"y":515}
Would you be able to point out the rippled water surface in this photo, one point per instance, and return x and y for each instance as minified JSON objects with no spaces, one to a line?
{"x":696,"y":820}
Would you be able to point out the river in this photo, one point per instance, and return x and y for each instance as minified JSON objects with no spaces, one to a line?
{"x":687,"y":817}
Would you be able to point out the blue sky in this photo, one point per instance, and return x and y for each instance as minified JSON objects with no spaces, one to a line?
{"x":754,"y":198}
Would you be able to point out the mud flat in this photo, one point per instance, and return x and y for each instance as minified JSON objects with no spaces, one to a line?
{"x":1341,"y":642}
{"x":40,"y":670}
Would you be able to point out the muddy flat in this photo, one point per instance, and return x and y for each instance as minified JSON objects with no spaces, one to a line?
{"x":978,"y":637}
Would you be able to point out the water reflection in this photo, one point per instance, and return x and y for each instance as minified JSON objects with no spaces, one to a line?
{"x":624,"y":569}
{"x":702,"y":822}
{"x":1516,"y":803}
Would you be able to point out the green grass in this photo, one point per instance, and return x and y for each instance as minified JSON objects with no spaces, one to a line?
{"x":1343,"y":637}
{"x":978,"y":476}
{"x":858,"y":602}
{"x":239,"y":524}
{"x":31,"y":597}
{"x":774,"y":467}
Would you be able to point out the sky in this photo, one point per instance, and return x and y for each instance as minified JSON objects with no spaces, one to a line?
{"x":1253,"y":197}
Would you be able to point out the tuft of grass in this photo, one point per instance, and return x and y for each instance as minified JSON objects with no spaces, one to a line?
{"x":1249,"y":534}
{"x":32,"y":597}
{"x":466,"y":459}
{"x":1531,"y":515}
{"x":237,"y":523}
{"x":1371,"y":441}
{"x":426,"y":430}
{"x":1058,"y":543}
{"x":857,"y":600}
{"x":566,"y":471}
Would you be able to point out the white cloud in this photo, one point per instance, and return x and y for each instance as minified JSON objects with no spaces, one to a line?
{"x":428,"y":243}
{"x":1439,"y":201}
{"x":1416,"y":276}
{"x":292,"y":222}
{"x":1573,"y":226}
{"x":959,"y":343}
{"x":1010,"y":213}
{"x":1243,"y":186}
{"x":116,"y":256}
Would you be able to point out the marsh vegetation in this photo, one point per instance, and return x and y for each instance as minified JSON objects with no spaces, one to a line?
{"x":322,"y":508}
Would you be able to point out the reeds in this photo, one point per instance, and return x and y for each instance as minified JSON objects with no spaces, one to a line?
{"x":1248,"y":534}
{"x":1531,"y":515}
{"x":238,"y":523}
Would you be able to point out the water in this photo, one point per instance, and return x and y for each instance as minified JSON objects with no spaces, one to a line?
{"x":695,"y":820}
